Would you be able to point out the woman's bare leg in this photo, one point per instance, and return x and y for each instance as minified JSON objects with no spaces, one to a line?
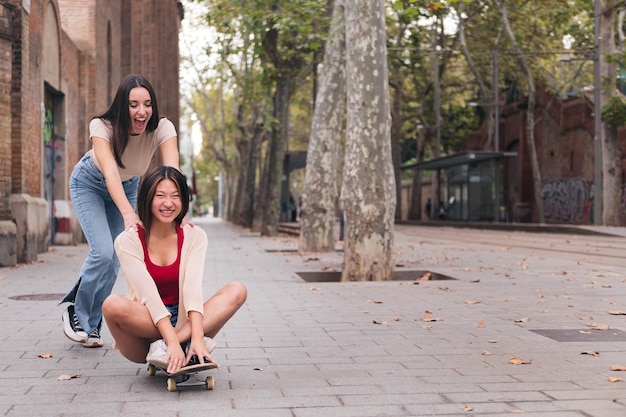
{"x":218,"y":310}
{"x":222,"y":306}
{"x":130,"y":325}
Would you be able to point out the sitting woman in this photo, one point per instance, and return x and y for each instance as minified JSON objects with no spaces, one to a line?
{"x":163,"y":317}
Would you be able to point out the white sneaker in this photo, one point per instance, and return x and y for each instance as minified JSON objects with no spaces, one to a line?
{"x":210,"y":344}
{"x":71,"y":326}
{"x":157,"y":351}
{"x":94,"y":340}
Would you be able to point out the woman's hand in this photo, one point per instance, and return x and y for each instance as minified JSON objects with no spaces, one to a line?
{"x":175,"y":357}
{"x":131,"y":220}
{"x":197,"y":347}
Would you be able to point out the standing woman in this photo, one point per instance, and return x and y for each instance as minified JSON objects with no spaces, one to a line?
{"x":103,"y":189}
{"x":164,"y":316}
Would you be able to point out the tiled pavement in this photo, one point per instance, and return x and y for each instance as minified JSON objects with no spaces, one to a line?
{"x":298,"y":349}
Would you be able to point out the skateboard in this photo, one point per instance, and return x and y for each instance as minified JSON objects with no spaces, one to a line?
{"x":183,"y":375}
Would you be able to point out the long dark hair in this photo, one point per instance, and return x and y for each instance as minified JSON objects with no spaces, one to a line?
{"x":119,"y":116}
{"x":147,"y":190}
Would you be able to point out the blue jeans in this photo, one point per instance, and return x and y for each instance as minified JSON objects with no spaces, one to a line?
{"x":101,"y":222}
{"x":173,"y":309}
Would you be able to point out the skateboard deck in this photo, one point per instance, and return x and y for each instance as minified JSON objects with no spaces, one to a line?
{"x":183,"y":375}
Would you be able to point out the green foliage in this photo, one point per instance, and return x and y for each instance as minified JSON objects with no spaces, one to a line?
{"x":246,"y":65}
{"x":614,"y":113}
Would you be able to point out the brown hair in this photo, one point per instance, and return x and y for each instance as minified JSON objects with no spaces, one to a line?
{"x":119,"y":116}
{"x":147,"y":190}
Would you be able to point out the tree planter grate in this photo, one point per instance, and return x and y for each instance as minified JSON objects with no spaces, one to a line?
{"x":335,"y":276}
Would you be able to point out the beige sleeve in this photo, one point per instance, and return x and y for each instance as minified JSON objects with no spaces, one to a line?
{"x":142,"y":287}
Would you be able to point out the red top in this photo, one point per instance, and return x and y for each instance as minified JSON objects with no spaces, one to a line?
{"x":165,"y":277}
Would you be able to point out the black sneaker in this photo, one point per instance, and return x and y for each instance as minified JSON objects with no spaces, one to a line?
{"x":71,"y":326}
{"x":94,"y":340}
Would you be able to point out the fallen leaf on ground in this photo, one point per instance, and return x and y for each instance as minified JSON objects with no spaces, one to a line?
{"x":45,"y":355}
{"x":475,"y":281}
{"x":613,"y":379}
{"x":379,"y":322}
{"x":467,"y":408}
{"x":480,"y":325}
{"x":590,"y":352}
{"x":617,"y":313}
{"x":618,"y":368}
{"x":375,"y":302}
{"x":314,"y":288}
{"x":471,"y":302}
{"x":523,"y":320}
{"x":486,"y":353}
{"x":596,"y":326}
{"x":517,"y":361}
{"x":427,"y":318}
{"x":424,"y":277}
{"x":68,"y":377}
{"x":396,"y":319}
{"x":492,"y":341}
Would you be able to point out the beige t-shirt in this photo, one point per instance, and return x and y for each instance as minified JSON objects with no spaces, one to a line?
{"x":140,"y":150}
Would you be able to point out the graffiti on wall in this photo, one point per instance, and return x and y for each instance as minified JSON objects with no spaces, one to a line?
{"x":566,"y":200}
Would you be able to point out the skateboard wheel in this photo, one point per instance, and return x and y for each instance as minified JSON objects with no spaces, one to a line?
{"x":171,"y":384}
{"x":151,"y":370}
{"x":210,"y":382}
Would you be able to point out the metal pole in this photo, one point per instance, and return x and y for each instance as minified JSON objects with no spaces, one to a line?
{"x":597,"y":140}
{"x":497,"y":192}
{"x":434,"y":62}
{"x":496,"y":98}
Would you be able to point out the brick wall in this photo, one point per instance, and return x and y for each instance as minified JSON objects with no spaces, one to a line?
{"x":6,"y":41}
{"x":100,"y":42}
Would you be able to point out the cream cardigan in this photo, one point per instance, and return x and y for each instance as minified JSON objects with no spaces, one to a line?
{"x":141,"y":287}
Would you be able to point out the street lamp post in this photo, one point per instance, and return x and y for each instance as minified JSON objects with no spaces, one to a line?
{"x":496,"y":101}
{"x":597,"y":140}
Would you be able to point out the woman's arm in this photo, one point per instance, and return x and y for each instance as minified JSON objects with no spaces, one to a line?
{"x":196,"y":344}
{"x":175,"y":357}
{"x":169,"y":153}
{"x":108,"y":165}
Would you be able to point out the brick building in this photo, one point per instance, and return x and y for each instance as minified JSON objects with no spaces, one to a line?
{"x":479,"y":184}
{"x":60,"y":64}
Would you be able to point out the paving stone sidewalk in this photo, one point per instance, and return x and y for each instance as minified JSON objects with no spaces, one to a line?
{"x":508,"y":336}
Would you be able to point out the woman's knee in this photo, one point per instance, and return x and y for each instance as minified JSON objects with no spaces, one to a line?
{"x":114,"y":306}
{"x":238,"y":292}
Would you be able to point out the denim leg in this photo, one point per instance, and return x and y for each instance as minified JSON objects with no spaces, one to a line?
{"x":116,"y":226}
{"x":101,"y":222}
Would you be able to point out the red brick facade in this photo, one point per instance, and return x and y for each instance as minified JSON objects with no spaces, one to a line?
{"x":60,"y":64}
{"x":564,"y":140}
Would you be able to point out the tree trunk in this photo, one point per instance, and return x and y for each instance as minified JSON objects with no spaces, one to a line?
{"x":272,"y":202}
{"x":319,"y":193}
{"x":259,"y":207}
{"x":368,"y":191}
{"x":612,"y":212}
{"x":243,"y":149}
{"x":396,"y":135}
{"x":530,"y":113}
{"x":415,"y":208}
{"x":487,"y":103}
